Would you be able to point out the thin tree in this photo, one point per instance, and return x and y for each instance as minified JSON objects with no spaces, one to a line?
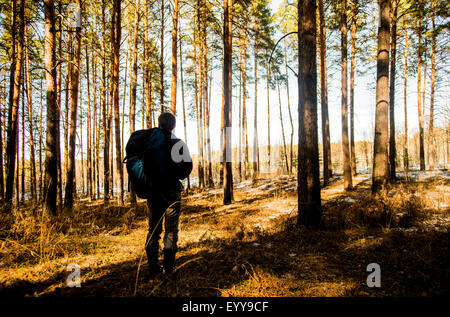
{"x":70,"y":188}
{"x":116,"y":37}
{"x":227,"y":71}
{"x":33,"y":182}
{"x":324,"y":98}
{"x":352,"y":86}
{"x":182,"y":102}
{"x":173,"y":95}
{"x":161,"y":59}
{"x":133,"y":87}
{"x":431,"y":151}
{"x":392,"y":147}
{"x":106,"y":132}
{"x":14,"y":95}
{"x":309,"y":201}
{"x":420,"y":106}
{"x":405,"y":106}
{"x":346,"y":164}
{"x":380,"y":159}
{"x":89,"y":144}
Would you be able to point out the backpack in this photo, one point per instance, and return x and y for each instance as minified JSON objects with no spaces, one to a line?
{"x":135,"y":151}
{"x":150,"y":165}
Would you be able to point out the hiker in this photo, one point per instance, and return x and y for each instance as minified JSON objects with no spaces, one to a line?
{"x":165,"y":166}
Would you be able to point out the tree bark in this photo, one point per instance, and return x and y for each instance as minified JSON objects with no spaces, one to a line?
{"x":352,"y":88}
{"x":380,"y":161}
{"x":13,"y":111}
{"x":268,"y":114}
{"x":116,"y":59}
{"x":255,"y":121}
{"x":324,"y":98}
{"x":309,"y":201}
{"x":51,"y":169}
{"x":173,"y":95}
{"x":392,"y":146}
{"x":227,"y":71}
{"x":419,"y":89}
{"x":106,"y":169}
{"x":346,"y":163}
{"x":291,"y":153}
{"x":282,"y":130}
{"x":134,"y":70}
{"x":33,"y":183}
{"x":88,"y":145}
{"x":431,"y":152}
{"x":405,"y":98}
{"x":74,"y":83}
{"x":182,"y":103}
{"x":161,"y":61}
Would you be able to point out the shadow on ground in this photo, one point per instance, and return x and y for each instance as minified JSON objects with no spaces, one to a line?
{"x":288,"y":261}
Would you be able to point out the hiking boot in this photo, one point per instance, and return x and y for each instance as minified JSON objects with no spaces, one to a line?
{"x":169,"y":261}
{"x":153,"y":263}
{"x":155,"y":270}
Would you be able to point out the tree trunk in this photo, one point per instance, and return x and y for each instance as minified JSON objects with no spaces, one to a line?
{"x":14,"y":93}
{"x":405,"y":100}
{"x":88,"y":145}
{"x":67,"y":102}
{"x":227,"y":71}
{"x":244,"y":98}
{"x":268,"y":114}
{"x":392,"y":147}
{"x":106,"y":169}
{"x":41,"y":173}
{"x":161,"y":61}
{"x":116,"y":30}
{"x":324,"y":98}
{"x":309,"y":201}
{"x":33,"y":182}
{"x":282,"y":130}
{"x":146,"y":77}
{"x":431,"y":152}
{"x":2,"y":120}
{"x":255,"y":129}
{"x":380,"y":160}
{"x":346,"y":163}
{"x":51,"y":168}
{"x":74,"y":81}
{"x":173,"y":94}
{"x":182,"y":103}
{"x":291,"y":153}
{"x":352,"y":88}
{"x":134,"y":70}
{"x":200,"y":169}
{"x":23,"y":139}
{"x":419,"y":89}
{"x":95,"y":135}
{"x":59,"y":105}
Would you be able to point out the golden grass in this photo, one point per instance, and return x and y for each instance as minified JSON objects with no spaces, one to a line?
{"x":249,"y":248}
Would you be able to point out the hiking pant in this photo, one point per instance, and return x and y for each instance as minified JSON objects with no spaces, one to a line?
{"x":165,"y":206}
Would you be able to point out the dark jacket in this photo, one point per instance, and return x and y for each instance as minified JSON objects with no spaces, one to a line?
{"x":167,"y":161}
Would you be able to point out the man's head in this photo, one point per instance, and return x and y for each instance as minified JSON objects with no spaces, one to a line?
{"x":166,"y":121}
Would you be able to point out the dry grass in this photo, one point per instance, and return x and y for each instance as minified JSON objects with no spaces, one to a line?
{"x":249,"y":248}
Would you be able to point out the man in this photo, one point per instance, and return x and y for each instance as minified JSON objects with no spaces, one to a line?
{"x":167,"y":161}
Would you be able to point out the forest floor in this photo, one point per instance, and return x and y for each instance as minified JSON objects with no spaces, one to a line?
{"x":249,"y":248}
